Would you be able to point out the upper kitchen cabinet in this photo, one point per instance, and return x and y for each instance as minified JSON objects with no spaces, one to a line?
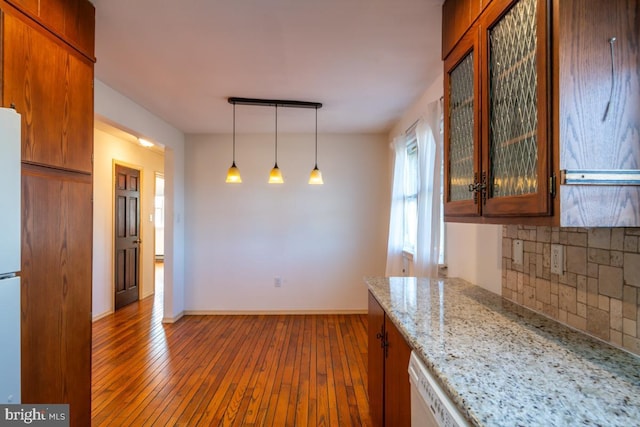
{"x":56,"y":105}
{"x":598,"y":111}
{"x":462,"y":156}
{"x":68,"y":19}
{"x":556,"y":124}
{"x":457,"y":17}
{"x":515,"y":142}
{"x":497,"y":166}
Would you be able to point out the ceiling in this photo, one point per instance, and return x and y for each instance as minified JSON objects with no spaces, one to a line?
{"x":366,"y":61}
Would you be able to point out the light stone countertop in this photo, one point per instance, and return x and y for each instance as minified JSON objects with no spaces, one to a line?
{"x":504,"y":365}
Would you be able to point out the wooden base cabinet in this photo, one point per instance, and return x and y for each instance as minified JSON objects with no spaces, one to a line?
{"x":389,"y":388}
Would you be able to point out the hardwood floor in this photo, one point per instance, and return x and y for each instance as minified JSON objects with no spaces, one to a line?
{"x":303,"y":370}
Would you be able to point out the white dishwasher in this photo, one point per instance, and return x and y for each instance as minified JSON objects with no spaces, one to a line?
{"x":430,"y":405}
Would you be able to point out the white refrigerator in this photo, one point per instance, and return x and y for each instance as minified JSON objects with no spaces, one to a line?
{"x":9,"y":256}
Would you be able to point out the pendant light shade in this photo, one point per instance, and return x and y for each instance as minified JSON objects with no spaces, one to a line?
{"x":275,"y":177}
{"x":233,"y":174}
{"x":316,"y":176}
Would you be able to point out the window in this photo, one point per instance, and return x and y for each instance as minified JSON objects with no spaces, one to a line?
{"x":411,"y":188}
{"x":159,"y":211}
{"x":415,"y":218}
{"x":441,"y":258}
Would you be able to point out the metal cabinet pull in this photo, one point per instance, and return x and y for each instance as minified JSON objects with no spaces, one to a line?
{"x":479,"y":187}
{"x":612,"y":40}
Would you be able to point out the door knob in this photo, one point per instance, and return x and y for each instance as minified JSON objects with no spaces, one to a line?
{"x":137,"y":241}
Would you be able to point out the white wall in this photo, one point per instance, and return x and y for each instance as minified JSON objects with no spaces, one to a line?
{"x":418,"y":108}
{"x":109,"y":149}
{"x":321,"y":240}
{"x":473,"y":252}
{"x":115,"y":109}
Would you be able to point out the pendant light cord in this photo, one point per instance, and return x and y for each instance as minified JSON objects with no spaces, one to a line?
{"x":276,"y":135}
{"x":316,"y":165}
{"x":234,"y":134}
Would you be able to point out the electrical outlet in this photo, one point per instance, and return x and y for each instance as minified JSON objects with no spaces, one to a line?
{"x":557,"y":259}
{"x":277,"y":282}
{"x":518,"y":252}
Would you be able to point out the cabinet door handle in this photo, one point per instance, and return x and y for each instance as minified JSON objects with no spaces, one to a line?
{"x":380,"y":335}
{"x":479,"y":187}
{"x":385,"y":344}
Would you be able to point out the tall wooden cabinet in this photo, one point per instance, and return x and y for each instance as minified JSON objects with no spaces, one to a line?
{"x":389,"y":353}
{"x":47,"y":75}
{"x":542,"y":117}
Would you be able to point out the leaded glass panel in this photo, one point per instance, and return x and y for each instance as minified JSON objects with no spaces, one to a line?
{"x":461,"y":126}
{"x":513,"y":102}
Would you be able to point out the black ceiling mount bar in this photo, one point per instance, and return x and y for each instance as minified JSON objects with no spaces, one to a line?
{"x":274,"y":102}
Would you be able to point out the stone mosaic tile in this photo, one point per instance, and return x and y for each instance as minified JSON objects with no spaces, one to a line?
{"x":602,"y":264}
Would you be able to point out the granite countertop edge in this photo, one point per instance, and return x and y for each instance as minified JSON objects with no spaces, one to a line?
{"x":503,"y":364}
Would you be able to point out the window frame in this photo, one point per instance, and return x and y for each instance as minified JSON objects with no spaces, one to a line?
{"x":410,"y":194}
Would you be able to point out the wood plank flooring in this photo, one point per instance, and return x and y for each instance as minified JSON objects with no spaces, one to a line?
{"x":302,"y":370}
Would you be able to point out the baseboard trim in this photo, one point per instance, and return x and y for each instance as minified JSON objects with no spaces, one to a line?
{"x":267,"y":312}
{"x":102,"y":316}
{"x":173,"y":319}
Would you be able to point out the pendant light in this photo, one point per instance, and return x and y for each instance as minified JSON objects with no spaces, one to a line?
{"x":275,"y":177}
{"x":233,"y":175}
{"x":315,"y":178}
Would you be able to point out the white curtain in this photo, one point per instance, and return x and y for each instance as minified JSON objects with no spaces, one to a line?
{"x":396,"y":220}
{"x":429,"y":195}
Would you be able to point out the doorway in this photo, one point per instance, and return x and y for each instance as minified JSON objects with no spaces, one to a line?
{"x":159,"y":235}
{"x":127,"y":235}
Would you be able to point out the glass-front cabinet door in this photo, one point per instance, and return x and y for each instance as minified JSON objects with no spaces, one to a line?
{"x":514,"y":109}
{"x":462,"y":124}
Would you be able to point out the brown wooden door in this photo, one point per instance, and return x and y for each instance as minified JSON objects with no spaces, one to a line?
{"x":127,"y":235}
{"x":376,"y":362}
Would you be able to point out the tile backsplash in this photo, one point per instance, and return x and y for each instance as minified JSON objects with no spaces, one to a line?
{"x":599,"y":292}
